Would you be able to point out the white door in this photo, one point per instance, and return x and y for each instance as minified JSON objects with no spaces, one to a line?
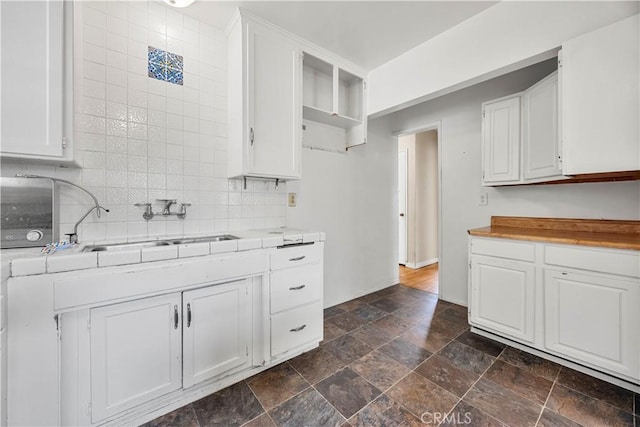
{"x":216,"y":330}
{"x":402,"y":207}
{"x":594,"y":319}
{"x":501,"y":141}
{"x":601,"y":99}
{"x":275,"y":99}
{"x":32,"y":77}
{"x":135,"y":353}
{"x":502,"y":296}
{"x":540,"y":139}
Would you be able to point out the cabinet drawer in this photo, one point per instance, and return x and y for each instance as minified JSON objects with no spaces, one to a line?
{"x":293,"y":328}
{"x":295,"y":286}
{"x":624,"y":263}
{"x":504,"y":248}
{"x":295,"y":256}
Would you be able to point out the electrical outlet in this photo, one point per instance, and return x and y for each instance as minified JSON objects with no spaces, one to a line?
{"x":484,"y":199}
{"x":292,"y":200}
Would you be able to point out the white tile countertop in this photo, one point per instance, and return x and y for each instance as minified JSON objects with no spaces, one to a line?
{"x":25,"y":262}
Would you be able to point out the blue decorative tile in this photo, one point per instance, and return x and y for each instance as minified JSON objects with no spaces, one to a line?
{"x":174,"y":61}
{"x":165,"y":66}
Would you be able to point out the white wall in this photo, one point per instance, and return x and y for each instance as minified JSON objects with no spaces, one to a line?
{"x":459,"y":114}
{"x":140,"y":139}
{"x":485,"y":46}
{"x":426,"y":197}
{"x":353,"y":198}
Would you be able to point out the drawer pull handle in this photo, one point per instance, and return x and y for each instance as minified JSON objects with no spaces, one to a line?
{"x":298,"y":329}
{"x":297,"y":288}
{"x":297,"y":258}
{"x":188,"y":315}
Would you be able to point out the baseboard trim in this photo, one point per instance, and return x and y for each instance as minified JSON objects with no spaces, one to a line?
{"x":421,"y":263}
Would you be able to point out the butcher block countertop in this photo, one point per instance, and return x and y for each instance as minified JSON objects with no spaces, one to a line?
{"x":604,"y":233}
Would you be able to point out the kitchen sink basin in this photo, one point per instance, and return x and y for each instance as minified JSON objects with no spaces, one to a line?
{"x":124,"y":246}
{"x":138,"y":245}
{"x":204,"y":239}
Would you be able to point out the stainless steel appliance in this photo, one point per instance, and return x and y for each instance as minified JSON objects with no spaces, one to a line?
{"x":27,"y":212}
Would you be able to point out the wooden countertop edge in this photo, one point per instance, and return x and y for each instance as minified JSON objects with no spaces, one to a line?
{"x":567,"y":238}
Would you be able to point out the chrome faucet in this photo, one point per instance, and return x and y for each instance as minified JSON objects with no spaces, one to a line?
{"x":167,"y":205}
{"x":73,"y":237}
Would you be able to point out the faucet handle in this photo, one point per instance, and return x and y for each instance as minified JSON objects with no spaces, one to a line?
{"x":185,"y":204}
{"x":168,"y":201}
{"x":142,"y":204}
{"x":148,"y":211}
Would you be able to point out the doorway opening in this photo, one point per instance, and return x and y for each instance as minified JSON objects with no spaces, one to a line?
{"x":419,"y":209}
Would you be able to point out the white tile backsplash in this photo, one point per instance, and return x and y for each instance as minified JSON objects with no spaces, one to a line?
{"x":139,"y":138}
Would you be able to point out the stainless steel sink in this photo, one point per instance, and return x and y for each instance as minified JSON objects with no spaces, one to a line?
{"x":204,"y":239}
{"x":138,"y":245}
{"x":125,"y":246}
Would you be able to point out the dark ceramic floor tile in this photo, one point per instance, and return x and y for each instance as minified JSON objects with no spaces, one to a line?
{"x":448,"y":376}
{"x":370,"y":298}
{"x":346,"y":321}
{"x":384,"y":412}
{"x":391,"y":326}
{"x":332,"y":311}
{"x":416,"y":315}
{"x":419,"y":395}
{"x":503,"y":404}
{"x":586,"y":410}
{"x":404,"y":352}
{"x":537,"y":365}
{"x":368,"y":313}
{"x":489,"y":346}
{"x":553,"y":419}
{"x":308,"y":408}
{"x":350,"y":305}
{"x":232,"y":406}
{"x":465,"y":414}
{"x":372,"y":335}
{"x":316,"y":364}
{"x":262,"y":421}
{"x":386,"y":304}
{"x":347,"y":348}
{"x":379,"y":369}
{"x":429,"y":340}
{"x":523,"y":382}
{"x":596,"y":388}
{"x":465,"y":357}
{"x":445,"y":326}
{"x":181,"y":417}
{"x":401,"y":297}
{"x":347,"y":391}
{"x":332,"y":332}
{"x":275,"y":385}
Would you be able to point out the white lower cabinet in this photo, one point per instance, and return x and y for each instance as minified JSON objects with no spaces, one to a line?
{"x":577,"y":303}
{"x":216,"y":331}
{"x":143,"y":349}
{"x":502,"y":296}
{"x":594,"y":319}
{"x":136,"y":353}
{"x":296,"y":297}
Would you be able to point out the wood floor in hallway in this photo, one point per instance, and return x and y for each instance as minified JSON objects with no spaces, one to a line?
{"x":425,"y":278}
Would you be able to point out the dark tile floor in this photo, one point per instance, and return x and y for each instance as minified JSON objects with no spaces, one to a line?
{"x":401,"y":357}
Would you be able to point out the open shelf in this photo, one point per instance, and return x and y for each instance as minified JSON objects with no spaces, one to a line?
{"x":328,"y":118}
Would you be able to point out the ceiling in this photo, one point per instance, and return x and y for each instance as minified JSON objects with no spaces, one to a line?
{"x":366,"y":33}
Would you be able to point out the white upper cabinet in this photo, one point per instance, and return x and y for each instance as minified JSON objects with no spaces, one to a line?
{"x":501,"y":141}
{"x":520,"y":142}
{"x":540,"y":144}
{"x":600,"y":93}
{"x":36,"y":81}
{"x":264,"y":99}
{"x":335,"y":97}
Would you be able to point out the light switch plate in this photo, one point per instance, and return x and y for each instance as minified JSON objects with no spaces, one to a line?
{"x":292,"y":200}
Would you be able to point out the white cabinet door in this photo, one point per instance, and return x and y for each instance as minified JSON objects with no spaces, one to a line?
{"x":593,"y":319}
{"x":274,"y":100}
{"x":501,"y":141}
{"x":216,"y":330}
{"x":32,"y":79}
{"x":502,"y":297}
{"x":601,"y":99}
{"x":135,"y":353}
{"x":540,"y":130}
